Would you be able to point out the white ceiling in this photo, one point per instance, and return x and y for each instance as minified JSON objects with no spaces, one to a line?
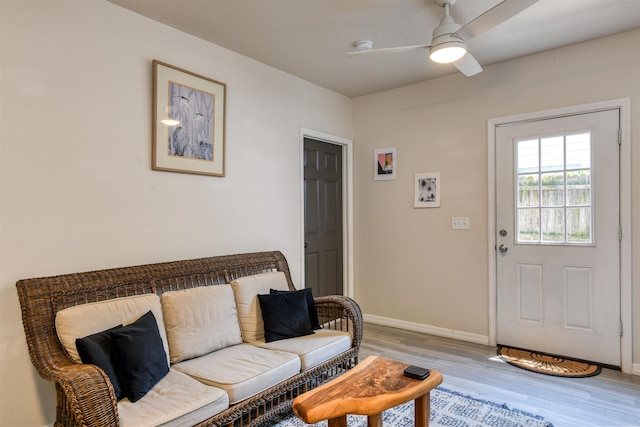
{"x":309,"y":38}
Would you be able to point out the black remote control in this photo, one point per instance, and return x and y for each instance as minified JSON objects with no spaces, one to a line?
{"x":416,"y":372}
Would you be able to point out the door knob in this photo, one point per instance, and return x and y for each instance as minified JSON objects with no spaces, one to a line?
{"x":503,"y":249}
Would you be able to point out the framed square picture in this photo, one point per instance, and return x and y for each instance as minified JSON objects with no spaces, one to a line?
{"x":384,"y":163}
{"x":188,"y":122}
{"x":427,"y":190}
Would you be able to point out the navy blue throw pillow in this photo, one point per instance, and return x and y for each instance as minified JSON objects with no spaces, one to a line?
{"x":285,"y":315}
{"x":140,"y":359}
{"x":313,"y":315}
{"x":96,"y":350}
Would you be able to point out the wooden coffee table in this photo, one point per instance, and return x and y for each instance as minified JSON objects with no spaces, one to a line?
{"x":374,"y":385}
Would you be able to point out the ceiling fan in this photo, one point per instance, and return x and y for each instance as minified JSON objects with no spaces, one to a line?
{"x":448,"y":43}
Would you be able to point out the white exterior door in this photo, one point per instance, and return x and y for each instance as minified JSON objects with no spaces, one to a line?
{"x":558,"y":245}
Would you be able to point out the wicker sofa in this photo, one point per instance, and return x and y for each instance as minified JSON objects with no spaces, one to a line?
{"x":86,"y":397}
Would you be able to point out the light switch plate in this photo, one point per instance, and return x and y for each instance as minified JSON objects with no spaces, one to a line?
{"x":459,"y":223}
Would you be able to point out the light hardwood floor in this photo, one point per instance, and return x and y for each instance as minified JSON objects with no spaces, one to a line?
{"x":609,"y":399}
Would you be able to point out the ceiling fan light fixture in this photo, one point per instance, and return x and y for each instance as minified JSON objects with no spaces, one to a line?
{"x":448,"y":51}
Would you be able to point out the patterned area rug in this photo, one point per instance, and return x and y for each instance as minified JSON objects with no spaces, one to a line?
{"x":448,"y":409}
{"x":545,"y":364}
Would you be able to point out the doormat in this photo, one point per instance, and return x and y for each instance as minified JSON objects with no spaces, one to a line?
{"x":547,"y":364}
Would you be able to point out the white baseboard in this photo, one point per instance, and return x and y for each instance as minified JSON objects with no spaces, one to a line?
{"x":428,"y":329}
{"x":636,"y":369}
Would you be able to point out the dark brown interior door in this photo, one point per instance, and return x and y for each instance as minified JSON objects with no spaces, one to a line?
{"x":323,"y":217}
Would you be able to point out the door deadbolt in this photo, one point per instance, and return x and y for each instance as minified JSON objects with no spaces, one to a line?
{"x":503,"y":232}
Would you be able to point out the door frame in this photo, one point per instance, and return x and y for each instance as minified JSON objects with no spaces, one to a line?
{"x":626,"y":265}
{"x":347,"y":204}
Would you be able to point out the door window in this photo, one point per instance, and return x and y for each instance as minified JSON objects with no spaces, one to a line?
{"x":553,"y":185}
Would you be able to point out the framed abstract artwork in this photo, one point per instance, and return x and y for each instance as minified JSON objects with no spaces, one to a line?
{"x":427,"y":190}
{"x":384,"y":163}
{"x":188,"y":133}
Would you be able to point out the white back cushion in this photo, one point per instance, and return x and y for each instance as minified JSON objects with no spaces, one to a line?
{"x":86,"y":319}
{"x":200,"y":320}
{"x":246,"y":290}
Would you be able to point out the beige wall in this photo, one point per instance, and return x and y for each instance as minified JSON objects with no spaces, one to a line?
{"x":76,"y":187}
{"x":77,"y":192}
{"x":411,"y":269}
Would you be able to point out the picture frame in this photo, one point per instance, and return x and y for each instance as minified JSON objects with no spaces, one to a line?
{"x":189,"y":114}
{"x":427,"y":190}
{"x":384,"y":164}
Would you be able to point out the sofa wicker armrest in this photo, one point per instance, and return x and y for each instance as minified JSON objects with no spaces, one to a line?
{"x":85,"y":394}
{"x":340,"y":313}
{"x":89,"y":398}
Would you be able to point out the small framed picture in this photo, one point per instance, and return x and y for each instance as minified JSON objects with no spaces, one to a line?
{"x":384,"y":163}
{"x":188,"y":122}
{"x":427,"y":190}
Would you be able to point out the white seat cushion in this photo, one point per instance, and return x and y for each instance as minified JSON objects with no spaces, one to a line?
{"x":177,"y":400}
{"x":242,"y":370}
{"x":86,"y":319}
{"x":200,"y":320}
{"x":312,"y":349}
{"x":246,"y":290}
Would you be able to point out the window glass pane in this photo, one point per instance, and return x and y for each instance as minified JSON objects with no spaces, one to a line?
{"x":553,"y":189}
{"x":579,"y":188}
{"x":528,"y":191}
{"x":527,"y":156}
{"x":552,"y":153}
{"x":553,"y":225}
{"x":554,"y":192}
{"x":528,"y":225}
{"x":579,"y":225}
{"x":579,"y":151}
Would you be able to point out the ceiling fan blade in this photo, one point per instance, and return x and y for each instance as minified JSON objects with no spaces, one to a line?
{"x":387,"y":50}
{"x":468,"y":65}
{"x":494,"y":16}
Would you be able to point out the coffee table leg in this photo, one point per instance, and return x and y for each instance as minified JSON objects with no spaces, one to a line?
{"x":375,"y":420}
{"x":423,"y":410}
{"x":338,"y":422}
